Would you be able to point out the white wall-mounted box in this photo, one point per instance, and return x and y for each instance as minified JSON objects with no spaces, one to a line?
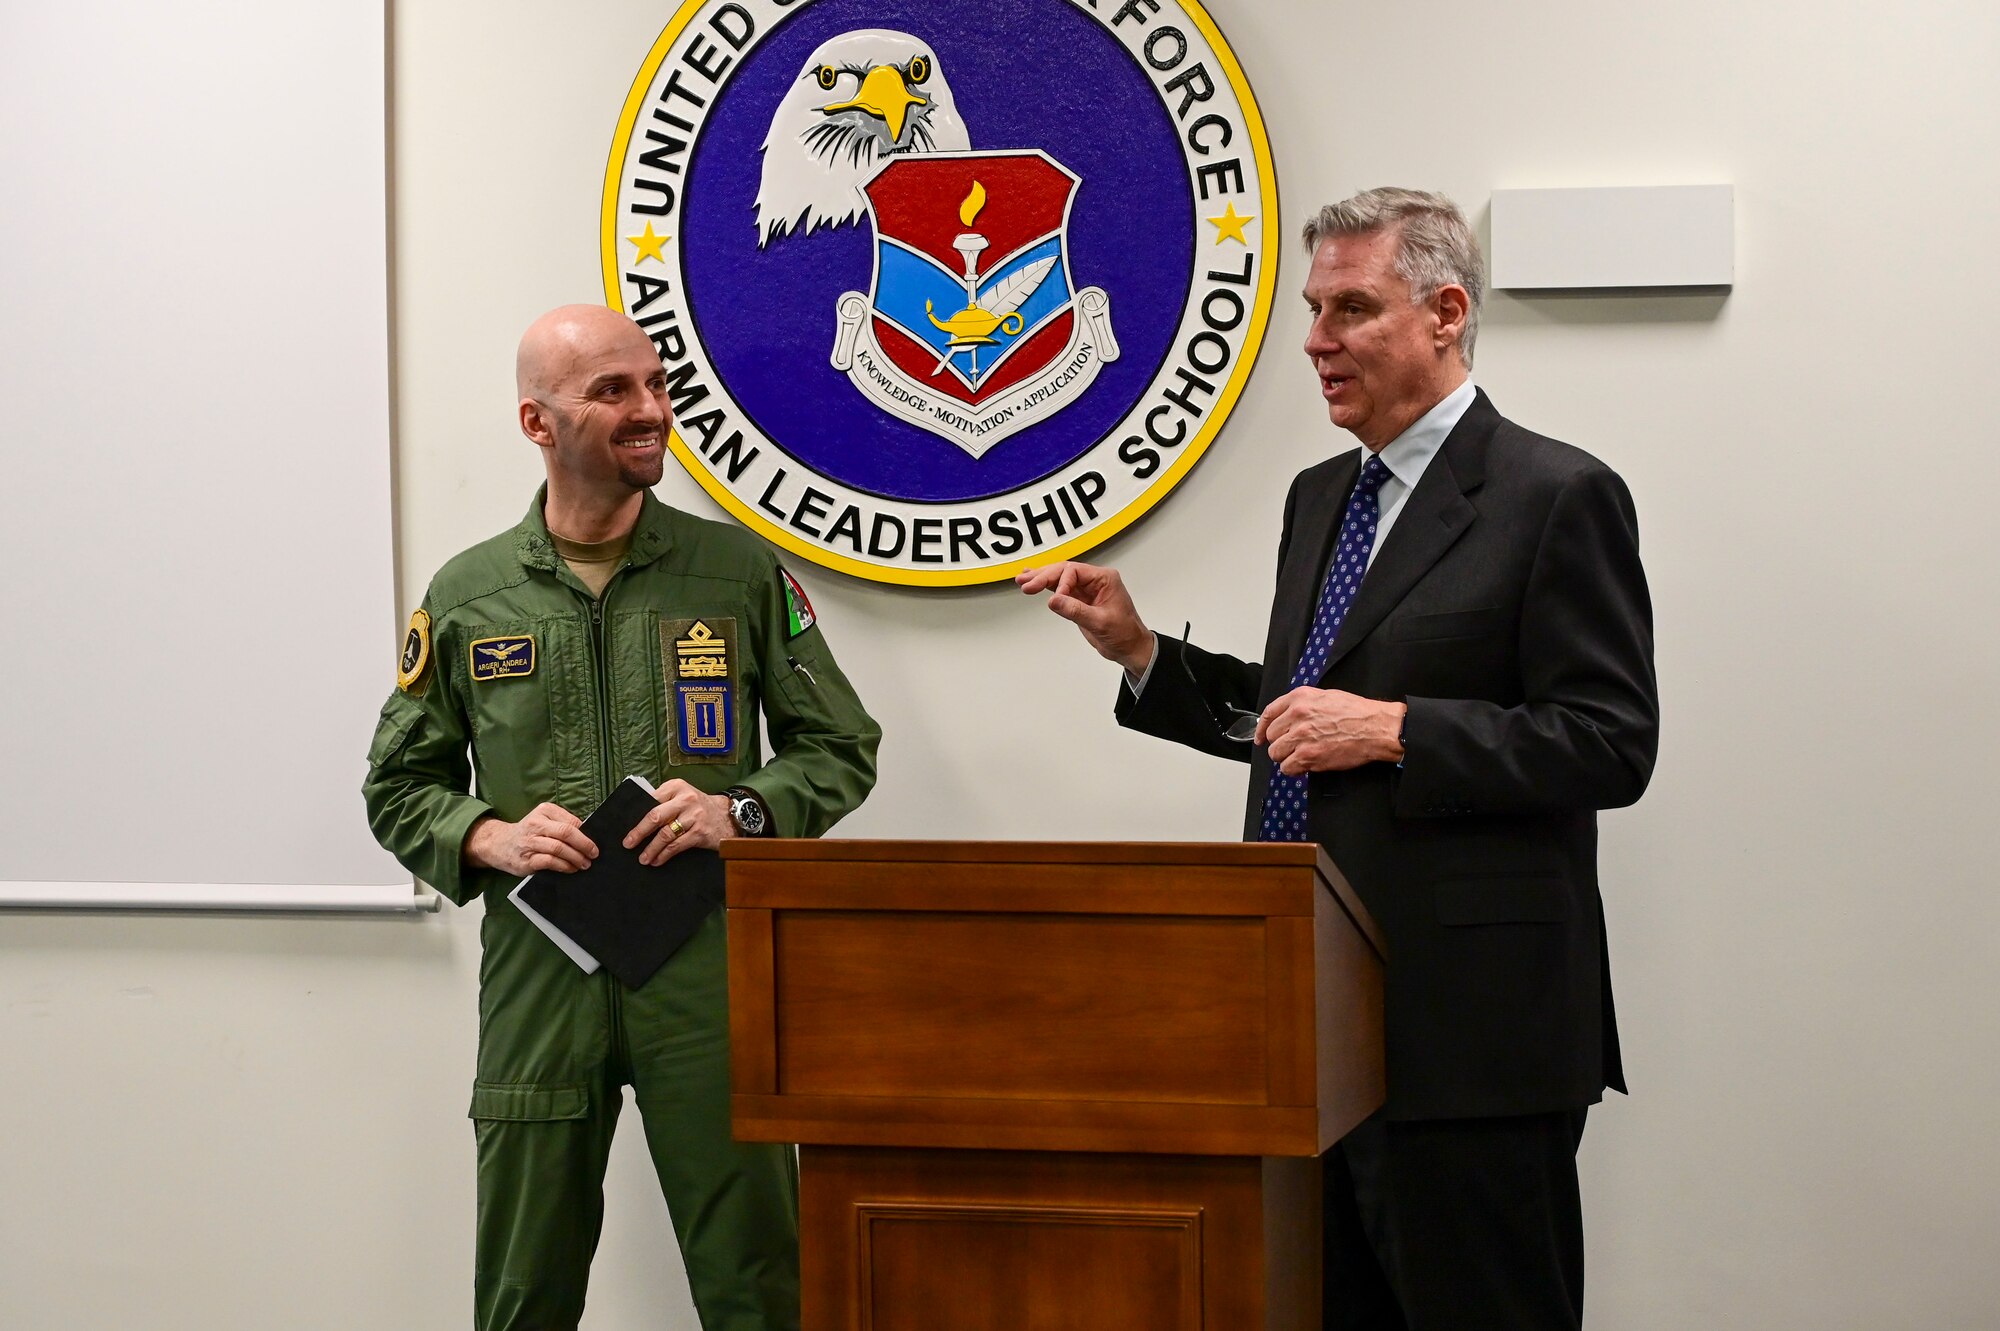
{"x":1625,"y":236}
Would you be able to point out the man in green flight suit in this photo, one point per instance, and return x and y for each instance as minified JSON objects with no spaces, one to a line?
{"x":609,"y":635}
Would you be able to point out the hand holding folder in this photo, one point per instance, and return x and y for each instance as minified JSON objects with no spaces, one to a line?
{"x":628,"y":916}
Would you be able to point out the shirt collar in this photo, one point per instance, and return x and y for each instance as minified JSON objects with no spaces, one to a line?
{"x":1410,"y":453}
{"x":652,"y":535}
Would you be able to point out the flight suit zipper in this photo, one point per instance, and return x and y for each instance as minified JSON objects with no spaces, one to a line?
{"x":601,"y":673}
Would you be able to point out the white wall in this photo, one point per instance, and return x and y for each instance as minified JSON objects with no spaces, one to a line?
{"x":234,"y":1124}
{"x":191,"y":250}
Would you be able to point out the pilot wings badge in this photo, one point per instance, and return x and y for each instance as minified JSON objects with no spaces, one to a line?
{"x":973,"y":328}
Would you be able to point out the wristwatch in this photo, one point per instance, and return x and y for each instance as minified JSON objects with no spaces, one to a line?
{"x":747,"y":811}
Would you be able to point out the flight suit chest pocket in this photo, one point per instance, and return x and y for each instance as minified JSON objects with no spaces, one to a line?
{"x":508,"y":670}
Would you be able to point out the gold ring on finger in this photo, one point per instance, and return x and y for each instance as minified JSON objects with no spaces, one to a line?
{"x":676,"y":828}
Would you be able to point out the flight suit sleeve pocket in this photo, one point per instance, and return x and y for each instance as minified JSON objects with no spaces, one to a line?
{"x":1540,"y":899}
{"x":814,"y":687}
{"x":799,"y":680}
{"x":528,"y":1102}
{"x":399,"y":717}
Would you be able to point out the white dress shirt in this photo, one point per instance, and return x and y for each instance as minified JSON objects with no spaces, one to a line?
{"x":1410,"y":453}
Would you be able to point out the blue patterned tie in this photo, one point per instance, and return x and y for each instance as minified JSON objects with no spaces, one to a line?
{"x":1285,"y":800}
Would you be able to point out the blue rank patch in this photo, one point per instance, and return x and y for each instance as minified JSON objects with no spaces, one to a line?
{"x":704,"y":719}
{"x":510,"y":657}
{"x":699,"y":656}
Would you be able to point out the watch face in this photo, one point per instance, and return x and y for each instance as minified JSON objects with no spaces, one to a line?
{"x":749,"y":816}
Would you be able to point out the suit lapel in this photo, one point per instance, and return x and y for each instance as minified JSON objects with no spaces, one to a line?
{"x":1316,"y":525}
{"x":1435,"y":515}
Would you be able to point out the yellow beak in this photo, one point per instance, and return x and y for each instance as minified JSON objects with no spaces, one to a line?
{"x":884,"y":95}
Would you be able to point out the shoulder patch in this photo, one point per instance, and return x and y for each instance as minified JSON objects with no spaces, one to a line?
{"x":799,"y":611}
{"x":414,"y":666}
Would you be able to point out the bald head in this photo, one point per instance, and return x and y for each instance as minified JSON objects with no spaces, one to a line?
{"x":593,"y":397}
{"x":566,"y":339}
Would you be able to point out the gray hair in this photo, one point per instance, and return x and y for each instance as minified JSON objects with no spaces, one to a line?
{"x":1435,"y":246}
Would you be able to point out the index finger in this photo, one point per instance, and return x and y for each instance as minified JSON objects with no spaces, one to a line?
{"x":1271,"y":715}
{"x":571,"y":835}
{"x":1038,"y":579}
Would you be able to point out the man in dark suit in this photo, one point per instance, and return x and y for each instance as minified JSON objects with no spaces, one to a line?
{"x":1458,"y":675}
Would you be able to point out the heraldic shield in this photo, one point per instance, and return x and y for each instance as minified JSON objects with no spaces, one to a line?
{"x":973,"y":328}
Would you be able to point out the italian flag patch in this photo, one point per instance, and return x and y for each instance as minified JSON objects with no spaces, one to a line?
{"x":798,"y":609}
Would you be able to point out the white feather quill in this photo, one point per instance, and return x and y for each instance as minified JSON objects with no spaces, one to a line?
{"x":1005,"y":298}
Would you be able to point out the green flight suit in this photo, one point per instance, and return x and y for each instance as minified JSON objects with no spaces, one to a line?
{"x":558,"y":696}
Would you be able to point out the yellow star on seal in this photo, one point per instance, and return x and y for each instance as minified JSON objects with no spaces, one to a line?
{"x":650,"y":245}
{"x":1230,"y":227}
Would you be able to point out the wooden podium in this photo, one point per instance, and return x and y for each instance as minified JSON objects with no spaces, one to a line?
{"x":1052,"y":1087}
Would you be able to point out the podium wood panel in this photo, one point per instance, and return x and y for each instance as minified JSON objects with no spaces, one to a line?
{"x":1094,"y":996}
{"x":1097,"y":1007}
{"x":999,"y":1240}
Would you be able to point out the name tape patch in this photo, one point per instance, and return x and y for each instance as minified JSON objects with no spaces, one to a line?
{"x":509,"y":657}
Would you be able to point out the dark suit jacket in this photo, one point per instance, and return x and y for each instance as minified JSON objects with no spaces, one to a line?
{"x":1508,"y":609}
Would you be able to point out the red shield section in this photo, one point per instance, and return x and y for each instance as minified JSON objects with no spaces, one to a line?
{"x":917,"y":201}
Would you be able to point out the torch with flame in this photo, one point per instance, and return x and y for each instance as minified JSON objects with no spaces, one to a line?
{"x":971,"y":244}
{"x":972,"y":327}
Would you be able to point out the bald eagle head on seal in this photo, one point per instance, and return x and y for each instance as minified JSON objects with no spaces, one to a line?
{"x":860,"y":99}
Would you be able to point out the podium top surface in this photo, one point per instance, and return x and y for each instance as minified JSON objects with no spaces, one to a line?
{"x":1243,"y":854}
{"x":1182,"y":877}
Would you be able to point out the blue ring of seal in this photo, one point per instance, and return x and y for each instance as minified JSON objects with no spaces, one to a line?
{"x":1032,"y":74}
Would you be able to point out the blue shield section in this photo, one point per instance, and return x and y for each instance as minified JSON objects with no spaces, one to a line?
{"x":905,"y":283}
{"x":905,"y":280}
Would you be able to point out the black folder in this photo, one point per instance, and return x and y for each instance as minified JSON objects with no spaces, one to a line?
{"x":630,"y":916}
